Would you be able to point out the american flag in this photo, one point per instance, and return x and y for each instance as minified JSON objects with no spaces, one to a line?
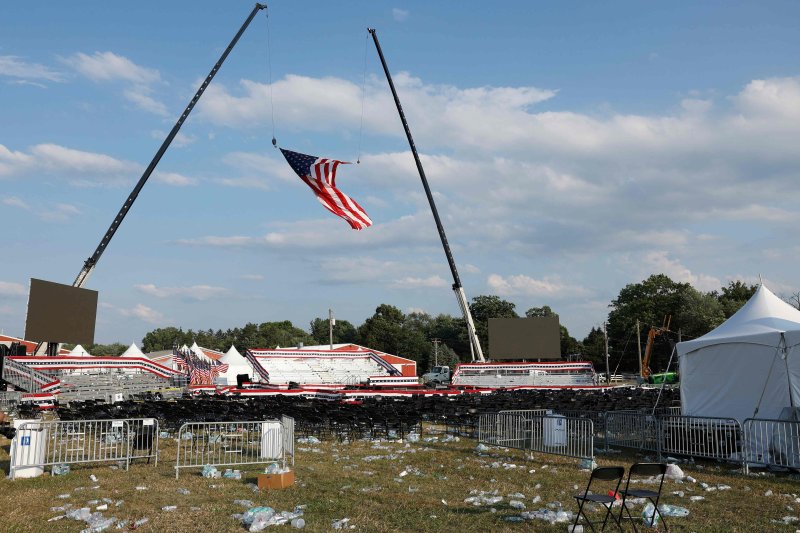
{"x":320,"y":174}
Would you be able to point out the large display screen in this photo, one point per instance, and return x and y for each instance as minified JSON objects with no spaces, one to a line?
{"x":525,"y":338}
{"x":60,"y":313}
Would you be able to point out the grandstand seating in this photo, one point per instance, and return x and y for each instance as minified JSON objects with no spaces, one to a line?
{"x":321,"y":370}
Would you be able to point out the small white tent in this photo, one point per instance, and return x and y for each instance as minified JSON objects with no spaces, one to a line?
{"x":199,"y":353}
{"x":748,"y":367}
{"x":79,"y":351}
{"x":132,"y":351}
{"x":237,"y":364}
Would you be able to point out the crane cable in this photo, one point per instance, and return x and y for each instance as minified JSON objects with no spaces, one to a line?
{"x":269,"y":71}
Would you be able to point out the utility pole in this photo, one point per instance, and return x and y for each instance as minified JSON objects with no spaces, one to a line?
{"x":608,"y":370}
{"x":436,"y":351}
{"x":639,"y":344}
{"x":331,"y":323}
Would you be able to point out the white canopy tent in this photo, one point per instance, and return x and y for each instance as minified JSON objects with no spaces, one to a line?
{"x":79,"y":351}
{"x":200,"y":353}
{"x":748,"y":367}
{"x":132,"y":351}
{"x":237,"y":364}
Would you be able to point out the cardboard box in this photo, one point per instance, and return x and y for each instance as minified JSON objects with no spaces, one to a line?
{"x":276,"y":481}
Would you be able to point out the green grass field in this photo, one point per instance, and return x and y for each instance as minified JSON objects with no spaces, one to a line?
{"x":362,"y":481}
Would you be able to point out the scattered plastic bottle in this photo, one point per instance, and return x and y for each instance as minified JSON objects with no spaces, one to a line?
{"x":139,"y":523}
{"x":298,"y":523}
{"x":169,"y":508}
{"x":673,"y":510}
{"x":649,"y":515}
{"x":185,"y":492}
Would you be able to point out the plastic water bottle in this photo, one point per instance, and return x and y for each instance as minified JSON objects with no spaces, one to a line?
{"x":298,"y":523}
{"x":649,"y":515}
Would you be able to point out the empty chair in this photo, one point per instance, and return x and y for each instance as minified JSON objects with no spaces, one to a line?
{"x":644,"y":470}
{"x":602,"y":489}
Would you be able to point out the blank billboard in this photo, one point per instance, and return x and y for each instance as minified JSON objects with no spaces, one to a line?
{"x":525,"y":338}
{"x":60,"y":313}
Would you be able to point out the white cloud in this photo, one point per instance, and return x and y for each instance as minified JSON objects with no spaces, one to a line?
{"x":140,"y":96}
{"x":13,"y":201}
{"x":173,"y":178}
{"x":194,"y":292}
{"x":108,"y":66}
{"x":660,"y":262}
{"x":78,"y":167}
{"x":144,"y":313}
{"x":60,"y":212}
{"x":8,"y":288}
{"x":400,"y":15}
{"x":180,"y":141}
{"x":522,"y":285}
{"x":15,"y":67}
{"x":416,"y":283}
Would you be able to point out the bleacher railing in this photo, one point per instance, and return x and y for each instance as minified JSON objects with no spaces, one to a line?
{"x":8,"y":400}
{"x":234,"y":443}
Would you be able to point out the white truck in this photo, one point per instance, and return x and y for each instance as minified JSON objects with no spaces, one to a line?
{"x":439,"y":375}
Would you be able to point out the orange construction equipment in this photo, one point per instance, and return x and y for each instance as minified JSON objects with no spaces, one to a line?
{"x":651,"y":337}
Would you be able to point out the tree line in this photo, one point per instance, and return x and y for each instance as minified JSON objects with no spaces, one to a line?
{"x":692,"y":313}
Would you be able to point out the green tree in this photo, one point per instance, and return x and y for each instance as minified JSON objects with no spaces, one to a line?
{"x":594,"y":348}
{"x":344,"y":332}
{"x":485,"y":307}
{"x":165,"y":338}
{"x":383,"y":330}
{"x":115,"y":348}
{"x":734,"y":296}
{"x":649,"y":302}
{"x":698,"y":314}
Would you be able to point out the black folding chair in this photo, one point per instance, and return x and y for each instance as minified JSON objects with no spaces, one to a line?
{"x":642,"y":470}
{"x":607,"y":478}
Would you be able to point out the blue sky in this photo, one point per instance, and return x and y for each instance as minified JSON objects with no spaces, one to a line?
{"x":573,"y":148}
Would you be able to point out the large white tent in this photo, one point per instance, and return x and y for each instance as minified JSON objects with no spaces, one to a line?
{"x":237,"y":364}
{"x":79,"y":351}
{"x":748,"y":367}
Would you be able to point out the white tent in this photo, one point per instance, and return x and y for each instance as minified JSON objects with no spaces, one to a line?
{"x":237,"y":364}
{"x":79,"y":351}
{"x":199,"y":353}
{"x":748,"y":367}
{"x":132,"y":351}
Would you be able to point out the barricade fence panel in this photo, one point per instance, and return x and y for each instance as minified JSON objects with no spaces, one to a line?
{"x":562,"y":435}
{"x":288,"y":435}
{"x":631,"y":429}
{"x":45,"y":443}
{"x":503,"y":429}
{"x":143,"y":436}
{"x":553,"y":434}
{"x":706,"y":437}
{"x":771,"y":442}
{"x":8,"y":400}
{"x":232,"y":443}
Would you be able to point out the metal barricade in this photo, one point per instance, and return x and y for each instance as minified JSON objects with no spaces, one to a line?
{"x":39,"y":443}
{"x":553,"y":434}
{"x":232,"y":443}
{"x":8,"y":400}
{"x":526,"y":413}
{"x":562,"y":435}
{"x":503,"y":429}
{"x":144,"y":434}
{"x":288,"y":436}
{"x":771,"y":442}
{"x":631,"y":429}
{"x":696,"y":436}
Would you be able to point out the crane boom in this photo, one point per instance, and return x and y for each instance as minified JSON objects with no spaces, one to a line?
{"x":91,"y":262}
{"x":651,"y":338}
{"x":457,"y":287}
